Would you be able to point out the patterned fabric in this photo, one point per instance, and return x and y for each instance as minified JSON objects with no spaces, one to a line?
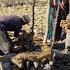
{"x":51,"y":22}
{"x":51,"y":17}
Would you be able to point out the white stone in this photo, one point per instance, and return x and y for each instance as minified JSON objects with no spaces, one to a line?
{"x":47,"y":67}
{"x":51,"y":63}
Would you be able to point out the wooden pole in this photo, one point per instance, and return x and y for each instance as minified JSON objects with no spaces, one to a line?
{"x":46,"y":18}
{"x":33,"y":7}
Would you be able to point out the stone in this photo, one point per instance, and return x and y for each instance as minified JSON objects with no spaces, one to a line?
{"x":47,"y":67}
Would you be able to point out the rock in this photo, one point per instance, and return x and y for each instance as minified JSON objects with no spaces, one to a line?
{"x":47,"y":67}
{"x":36,"y":64}
{"x":51,"y":63}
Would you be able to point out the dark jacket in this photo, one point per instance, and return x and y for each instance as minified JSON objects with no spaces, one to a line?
{"x":11,"y":23}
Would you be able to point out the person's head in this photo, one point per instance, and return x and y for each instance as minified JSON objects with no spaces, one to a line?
{"x":63,"y":24}
{"x":26,"y":19}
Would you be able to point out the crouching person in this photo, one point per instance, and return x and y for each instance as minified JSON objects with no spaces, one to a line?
{"x":10,"y":23}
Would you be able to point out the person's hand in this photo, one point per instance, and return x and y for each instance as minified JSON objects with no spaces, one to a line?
{"x":63,"y":23}
{"x":20,"y":33}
